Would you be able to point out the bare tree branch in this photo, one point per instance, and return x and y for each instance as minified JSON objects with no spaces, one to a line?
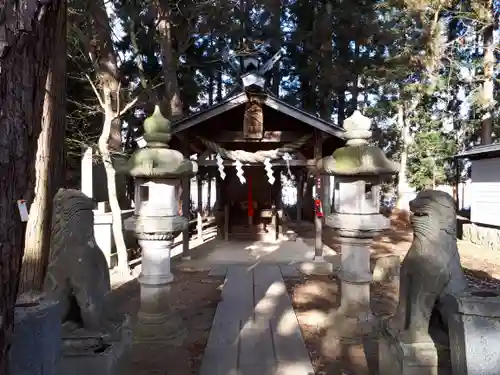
{"x":127,"y":107}
{"x":96,"y":92}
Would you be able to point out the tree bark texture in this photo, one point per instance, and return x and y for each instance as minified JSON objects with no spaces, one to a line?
{"x":172,"y":103}
{"x":49,"y":164}
{"x":404,"y":126}
{"x":325,"y":61}
{"x":26,"y":41}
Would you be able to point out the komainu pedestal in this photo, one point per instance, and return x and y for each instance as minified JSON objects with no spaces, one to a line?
{"x":36,"y":341}
{"x":419,"y":358}
{"x":474,"y":332}
{"x":94,"y":337}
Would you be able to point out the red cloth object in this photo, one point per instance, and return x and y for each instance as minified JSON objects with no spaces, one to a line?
{"x":250,"y":201}
{"x":318,"y":207}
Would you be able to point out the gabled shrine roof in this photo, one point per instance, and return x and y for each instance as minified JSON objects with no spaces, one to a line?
{"x":271,"y":101}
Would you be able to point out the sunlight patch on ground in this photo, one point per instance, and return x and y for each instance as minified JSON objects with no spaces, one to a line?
{"x":316,"y":291}
{"x":289,"y":368}
{"x":264,"y":250}
{"x":267,"y":305}
{"x":287,"y":324}
{"x":314,"y":318}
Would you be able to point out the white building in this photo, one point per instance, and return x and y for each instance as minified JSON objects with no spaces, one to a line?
{"x":483,"y":195}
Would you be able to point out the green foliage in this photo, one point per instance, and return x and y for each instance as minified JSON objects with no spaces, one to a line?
{"x":429,"y":160}
{"x":373,"y":55}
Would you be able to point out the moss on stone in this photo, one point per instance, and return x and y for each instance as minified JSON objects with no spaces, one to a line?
{"x":358,"y":160}
{"x":156,"y":123}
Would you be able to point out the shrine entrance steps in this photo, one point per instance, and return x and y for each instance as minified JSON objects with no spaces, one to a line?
{"x":255,"y":330}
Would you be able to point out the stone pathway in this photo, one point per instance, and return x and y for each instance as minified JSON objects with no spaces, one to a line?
{"x":219,"y":254}
{"x":255,"y":330}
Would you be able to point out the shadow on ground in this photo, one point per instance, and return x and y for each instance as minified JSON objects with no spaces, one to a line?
{"x":316,"y":298}
{"x":194,"y":296}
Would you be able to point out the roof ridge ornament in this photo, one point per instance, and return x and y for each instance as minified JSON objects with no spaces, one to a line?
{"x":249,"y":64}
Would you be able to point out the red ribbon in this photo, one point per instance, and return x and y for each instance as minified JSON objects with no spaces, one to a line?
{"x":250,"y":201}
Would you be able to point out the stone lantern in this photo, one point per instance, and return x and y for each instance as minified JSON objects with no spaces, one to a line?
{"x":158,"y":171}
{"x":358,"y":169}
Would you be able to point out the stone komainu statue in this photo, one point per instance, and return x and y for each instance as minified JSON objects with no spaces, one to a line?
{"x":430,"y":269}
{"x":77,"y":274}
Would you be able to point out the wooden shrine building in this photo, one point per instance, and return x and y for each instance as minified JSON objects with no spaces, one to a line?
{"x":247,"y":137}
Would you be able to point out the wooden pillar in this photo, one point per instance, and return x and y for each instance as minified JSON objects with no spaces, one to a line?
{"x":318,"y":221}
{"x":186,"y":203}
{"x":226,"y":221}
{"x":218,"y":206}
{"x":326,"y":198}
{"x":220,"y":210}
{"x":279,"y":203}
{"x":300,"y":194}
{"x":250,"y":198}
{"x":209,"y":193}
{"x":186,"y":200}
{"x":333,"y":199}
{"x":199,"y":217}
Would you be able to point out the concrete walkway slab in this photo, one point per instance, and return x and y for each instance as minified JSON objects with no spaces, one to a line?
{"x":255,"y":330}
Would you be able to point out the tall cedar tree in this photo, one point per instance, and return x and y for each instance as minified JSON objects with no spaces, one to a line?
{"x":29,"y":29}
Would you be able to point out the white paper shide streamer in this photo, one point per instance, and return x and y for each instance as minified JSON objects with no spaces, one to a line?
{"x":220,"y":165}
{"x":269,"y":170}
{"x":287,"y":157}
{"x":239,"y":171}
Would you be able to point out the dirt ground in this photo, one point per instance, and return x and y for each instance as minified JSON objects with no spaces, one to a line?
{"x":316,"y":298}
{"x":194,"y":296}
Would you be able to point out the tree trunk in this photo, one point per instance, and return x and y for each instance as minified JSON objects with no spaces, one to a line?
{"x":325,"y":62}
{"x":49,"y":163}
{"x":23,"y":73}
{"x":211,"y":90}
{"x":218,"y":96}
{"x":356,"y":79}
{"x":116,"y":213}
{"x":275,"y":10}
{"x":341,"y":86}
{"x":110,"y":138}
{"x":488,"y":85}
{"x":403,"y":125}
{"x":172,"y":104}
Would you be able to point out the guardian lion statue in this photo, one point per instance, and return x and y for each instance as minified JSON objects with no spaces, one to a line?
{"x":430,"y":269}
{"x":77,"y":274}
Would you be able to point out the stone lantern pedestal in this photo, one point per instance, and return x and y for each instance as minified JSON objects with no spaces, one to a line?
{"x":158,"y":172}
{"x":356,"y":224}
{"x":358,"y":169}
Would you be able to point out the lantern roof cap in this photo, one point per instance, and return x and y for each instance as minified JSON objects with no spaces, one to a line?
{"x":156,"y":160}
{"x":358,"y":157}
